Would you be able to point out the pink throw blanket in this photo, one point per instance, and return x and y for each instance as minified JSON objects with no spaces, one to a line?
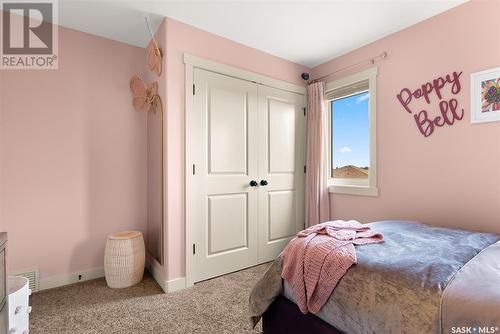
{"x":315,"y":260}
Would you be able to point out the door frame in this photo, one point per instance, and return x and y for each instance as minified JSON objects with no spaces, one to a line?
{"x":191,"y":62}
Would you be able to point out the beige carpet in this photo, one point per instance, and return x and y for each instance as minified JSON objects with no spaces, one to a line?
{"x":215,"y":306}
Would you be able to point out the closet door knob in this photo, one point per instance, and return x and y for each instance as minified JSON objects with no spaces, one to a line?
{"x":263,"y":183}
{"x":253,"y":183}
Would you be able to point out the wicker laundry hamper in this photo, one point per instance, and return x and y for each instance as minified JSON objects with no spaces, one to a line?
{"x":124,"y":259}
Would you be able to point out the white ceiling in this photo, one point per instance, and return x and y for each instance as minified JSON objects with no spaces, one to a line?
{"x":305,"y":32}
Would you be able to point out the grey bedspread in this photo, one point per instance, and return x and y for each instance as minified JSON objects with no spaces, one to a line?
{"x":396,"y":287}
{"x":471,"y":301}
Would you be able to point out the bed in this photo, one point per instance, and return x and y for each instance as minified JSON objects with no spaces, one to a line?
{"x":422,"y":279}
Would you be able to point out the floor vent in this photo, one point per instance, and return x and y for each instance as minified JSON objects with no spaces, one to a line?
{"x":32,"y":275}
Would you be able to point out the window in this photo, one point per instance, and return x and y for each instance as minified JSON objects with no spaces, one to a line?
{"x":351,"y":149}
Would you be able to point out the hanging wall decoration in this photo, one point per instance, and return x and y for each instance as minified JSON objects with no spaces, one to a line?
{"x":153,"y":51}
{"x":144,"y":96}
{"x":485,"y":96}
{"x":434,"y":91}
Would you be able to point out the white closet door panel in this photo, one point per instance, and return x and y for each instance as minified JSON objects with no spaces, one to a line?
{"x":281,"y":164}
{"x":281,"y":222}
{"x":227,"y":125}
{"x":227,"y":216}
{"x":281,"y":117}
{"x":226,"y":161}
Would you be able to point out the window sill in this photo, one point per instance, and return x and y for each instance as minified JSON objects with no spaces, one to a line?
{"x":354,"y":190}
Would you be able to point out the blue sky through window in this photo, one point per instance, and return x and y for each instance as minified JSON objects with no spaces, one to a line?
{"x":350,"y":132}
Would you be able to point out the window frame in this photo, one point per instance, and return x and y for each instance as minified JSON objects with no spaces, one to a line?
{"x":355,"y":186}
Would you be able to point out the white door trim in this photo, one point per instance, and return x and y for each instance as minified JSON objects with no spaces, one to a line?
{"x":239,"y":73}
{"x":190,"y":185}
{"x":192,"y":62}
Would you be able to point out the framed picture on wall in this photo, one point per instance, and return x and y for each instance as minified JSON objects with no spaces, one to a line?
{"x":485,"y":96}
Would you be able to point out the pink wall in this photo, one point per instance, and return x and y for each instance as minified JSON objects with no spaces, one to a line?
{"x":182,"y":38}
{"x":73,"y":164}
{"x":451,"y":178}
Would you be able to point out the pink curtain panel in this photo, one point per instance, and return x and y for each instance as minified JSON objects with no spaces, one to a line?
{"x":317,"y":196}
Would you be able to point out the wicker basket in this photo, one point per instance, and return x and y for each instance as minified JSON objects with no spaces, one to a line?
{"x":124,"y":259}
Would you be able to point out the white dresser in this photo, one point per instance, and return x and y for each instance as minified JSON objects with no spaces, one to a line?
{"x":19,"y":308}
{"x":3,"y":284}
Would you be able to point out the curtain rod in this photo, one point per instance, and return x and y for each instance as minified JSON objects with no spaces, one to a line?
{"x":371,"y":60}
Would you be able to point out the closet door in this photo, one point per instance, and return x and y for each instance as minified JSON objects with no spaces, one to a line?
{"x":281,"y":169}
{"x":226,"y":162}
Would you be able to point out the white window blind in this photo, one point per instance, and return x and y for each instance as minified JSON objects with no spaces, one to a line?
{"x":348,"y":90}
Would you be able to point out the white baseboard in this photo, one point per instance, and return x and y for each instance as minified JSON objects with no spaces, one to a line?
{"x":81,"y":276}
{"x":85,"y":275}
{"x":154,"y":271}
{"x":176,"y":284}
{"x":167,"y":286}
